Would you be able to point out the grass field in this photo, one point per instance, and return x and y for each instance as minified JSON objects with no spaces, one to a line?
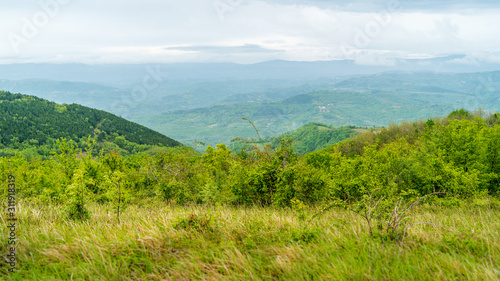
{"x":167,"y":242}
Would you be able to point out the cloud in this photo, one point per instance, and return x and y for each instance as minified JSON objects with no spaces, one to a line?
{"x":247,"y":48}
{"x":133,"y":31}
{"x":406,"y":5}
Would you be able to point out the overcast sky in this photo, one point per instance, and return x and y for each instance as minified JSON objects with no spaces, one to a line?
{"x":247,"y":31}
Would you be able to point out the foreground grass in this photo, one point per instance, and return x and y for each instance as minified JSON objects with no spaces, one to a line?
{"x":164,"y":242}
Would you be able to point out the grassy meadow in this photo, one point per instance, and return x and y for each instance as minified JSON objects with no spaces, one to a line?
{"x":160,"y":241}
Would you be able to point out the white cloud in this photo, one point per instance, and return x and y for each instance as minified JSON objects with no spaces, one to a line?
{"x":131,"y":31}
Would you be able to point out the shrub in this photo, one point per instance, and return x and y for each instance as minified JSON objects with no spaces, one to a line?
{"x":194,"y":222}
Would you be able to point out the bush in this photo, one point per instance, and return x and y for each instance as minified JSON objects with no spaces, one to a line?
{"x":77,"y":211}
{"x":194,"y":222}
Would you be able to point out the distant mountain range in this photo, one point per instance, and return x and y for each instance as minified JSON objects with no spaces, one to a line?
{"x":126,"y":75}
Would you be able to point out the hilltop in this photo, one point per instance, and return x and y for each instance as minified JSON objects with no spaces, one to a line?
{"x":310,"y":137}
{"x":33,"y":123}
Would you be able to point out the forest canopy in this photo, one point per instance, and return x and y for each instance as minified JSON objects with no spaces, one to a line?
{"x":31,"y":122}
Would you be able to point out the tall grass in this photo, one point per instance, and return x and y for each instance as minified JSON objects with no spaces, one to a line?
{"x":169,"y":242}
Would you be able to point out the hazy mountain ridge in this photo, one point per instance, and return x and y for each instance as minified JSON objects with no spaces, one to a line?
{"x":467,"y":83}
{"x":121,"y":75}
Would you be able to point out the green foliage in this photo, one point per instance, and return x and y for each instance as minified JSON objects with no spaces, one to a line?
{"x":458,"y":156}
{"x":32,"y":125}
{"x":314,"y":136}
{"x":76,"y":210}
{"x":298,"y":207}
{"x":76,"y":196}
{"x":459,"y":114}
{"x":308,"y":138}
{"x":172,"y":174}
{"x":305,"y":235}
{"x":195,"y":222}
{"x":67,"y":156}
{"x":116,"y":194}
{"x":270,"y":180}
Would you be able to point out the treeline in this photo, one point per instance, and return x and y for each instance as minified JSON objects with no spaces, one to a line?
{"x":27,"y":121}
{"x":459,"y":155}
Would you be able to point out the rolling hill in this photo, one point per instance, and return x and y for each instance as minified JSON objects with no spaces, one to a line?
{"x":308,"y":138}
{"x":374,"y":100}
{"x":30,"y":121}
{"x":338,"y":108}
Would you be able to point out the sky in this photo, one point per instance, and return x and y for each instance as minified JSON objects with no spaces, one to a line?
{"x":373,"y":32}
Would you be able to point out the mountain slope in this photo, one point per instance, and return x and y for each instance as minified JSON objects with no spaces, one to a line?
{"x":310,"y":137}
{"x":338,"y":108}
{"x":27,"y":119}
{"x":374,"y":100}
{"x":314,"y":136}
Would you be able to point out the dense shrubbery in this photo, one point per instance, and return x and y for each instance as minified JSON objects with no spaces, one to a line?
{"x":459,"y":155}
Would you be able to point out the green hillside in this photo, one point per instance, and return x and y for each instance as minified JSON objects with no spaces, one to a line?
{"x":373,"y":100}
{"x":310,"y":137}
{"x":314,"y":136}
{"x":28,"y":121}
{"x":222,"y":123}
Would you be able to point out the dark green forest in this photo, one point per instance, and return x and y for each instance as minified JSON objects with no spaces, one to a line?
{"x":32,"y":125}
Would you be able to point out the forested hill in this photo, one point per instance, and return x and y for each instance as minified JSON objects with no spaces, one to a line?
{"x":310,"y":137}
{"x":31,"y":120}
{"x":314,"y":136}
